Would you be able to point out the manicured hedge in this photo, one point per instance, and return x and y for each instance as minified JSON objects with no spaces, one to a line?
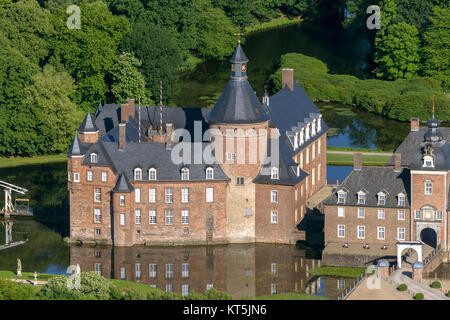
{"x":436,"y":284}
{"x":399,"y":99}
{"x":419,"y":296}
{"x":402,"y":287}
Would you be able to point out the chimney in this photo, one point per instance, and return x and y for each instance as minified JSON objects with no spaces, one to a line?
{"x":169,"y":132}
{"x":127,"y":110}
{"x":288,"y":78}
{"x":357,"y":161}
{"x":397,"y":162}
{"x":122,"y":135}
{"x":415,"y":124}
{"x":131,"y":109}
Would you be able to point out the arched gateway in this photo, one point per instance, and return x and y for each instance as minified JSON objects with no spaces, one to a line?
{"x":415,"y":245}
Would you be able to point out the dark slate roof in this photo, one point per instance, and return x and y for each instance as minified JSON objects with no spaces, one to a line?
{"x":75,"y":147}
{"x":123,"y":184}
{"x":374,"y":180}
{"x":411,"y":145}
{"x":287,"y":168}
{"x":88,"y":124}
{"x":441,"y":157}
{"x":239,"y":55}
{"x":131,"y":130}
{"x":103,"y":158}
{"x":148,"y":155}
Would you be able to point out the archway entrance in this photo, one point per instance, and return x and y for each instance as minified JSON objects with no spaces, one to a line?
{"x":415,"y":245}
{"x":429,"y":237}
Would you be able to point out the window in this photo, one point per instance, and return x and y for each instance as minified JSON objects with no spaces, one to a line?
{"x":169,"y":271}
{"x":274,"y":218}
{"x":137,"y":216}
{"x":184,"y":289}
{"x":417,"y":214}
{"x":137,"y":195}
{"x":97,"y":232}
{"x":152,"y":195}
{"x":122,"y":219}
{"x":76,"y":177}
{"x":273,"y":288}
{"x":248,"y":212}
{"x":401,"y":214}
{"x":381,"y":199}
{"x":152,"y":216}
{"x":428,"y":214}
{"x":169,"y":287}
{"x":318,"y":172}
{"x":274,"y":196}
{"x":152,"y":270}
{"x":97,"y":195}
{"x":318,"y":146}
{"x":313,"y":178}
{"x":274,"y":268}
{"x":185,"y":270}
{"x":97,"y":215}
{"x":152,"y":174}
{"x":169,"y":217}
{"x":98,"y":268}
{"x":400,"y":233}
{"x":122,"y":200}
{"x":94,"y":158}
{"x":361,"y":232}
{"x":341,"y":196}
{"x":401,"y":200}
{"x":439,"y":215}
{"x":274,"y":173}
{"x":341,"y":231}
{"x":313,"y":154}
{"x":209,"y":286}
{"x":361,"y":213}
{"x":209,"y":173}
{"x":240,"y":180}
{"x":341,"y":212}
{"x":104,"y":176}
{"x":184,"y":195}
{"x":184,"y":216}
{"x":138,"y":270}
{"x":341,"y":284}
{"x":381,"y":233}
{"x":89,"y":176}
{"x":428,"y":161}
{"x":138,"y":174}
{"x":209,"y":194}
{"x":380,"y":213}
{"x":231,"y":157}
{"x":122,"y":273}
{"x":185,"y":174}
{"x":301,"y":160}
{"x":169,"y":195}
{"x":361,"y":198}
{"x":428,"y":188}
{"x":307,"y":155}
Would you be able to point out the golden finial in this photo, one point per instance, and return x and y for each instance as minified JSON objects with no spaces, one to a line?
{"x":239,"y":35}
{"x":433,"y":105}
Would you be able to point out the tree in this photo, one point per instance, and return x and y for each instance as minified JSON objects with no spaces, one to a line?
{"x":216,"y":31}
{"x":436,"y":47}
{"x":89,"y":53}
{"x":239,"y":11}
{"x":397,"y":52}
{"x":56,"y":117}
{"x":28,"y":28}
{"x":129,"y":8}
{"x":414,"y":12}
{"x":160,"y":55}
{"x":127,"y":81}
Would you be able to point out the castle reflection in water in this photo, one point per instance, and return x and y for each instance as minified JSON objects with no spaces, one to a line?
{"x":239,"y":269}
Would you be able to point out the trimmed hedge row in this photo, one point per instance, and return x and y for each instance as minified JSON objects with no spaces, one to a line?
{"x":400,"y":99}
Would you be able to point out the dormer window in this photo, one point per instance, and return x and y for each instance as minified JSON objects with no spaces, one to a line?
{"x":361,"y":197}
{"x":428,"y":162}
{"x":302,"y":136}
{"x":401,"y":200}
{"x":307,"y":132}
{"x":152,"y":174}
{"x":296,"y":141}
{"x":209,"y":173}
{"x":185,"y":174}
{"x":94,"y":158}
{"x":298,"y":171}
{"x":381,"y":199}
{"x":313,"y":128}
{"x":274,"y":173}
{"x":138,"y":174}
{"x":342,"y":195}
{"x":319,"y":124}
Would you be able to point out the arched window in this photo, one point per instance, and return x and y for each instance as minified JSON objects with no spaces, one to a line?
{"x":274,"y":173}
{"x":361,"y":197}
{"x":152,"y":174}
{"x":428,"y":162}
{"x":94,"y":158}
{"x":381,"y":199}
{"x":209,"y":173}
{"x":138,"y":174}
{"x":184,"y":174}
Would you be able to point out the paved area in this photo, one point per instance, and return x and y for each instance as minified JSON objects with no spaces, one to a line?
{"x":319,"y":196}
{"x":29,"y":281}
{"x":358,"y":249}
{"x":387,"y":291}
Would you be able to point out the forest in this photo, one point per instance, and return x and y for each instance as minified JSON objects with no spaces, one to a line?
{"x":51,"y":75}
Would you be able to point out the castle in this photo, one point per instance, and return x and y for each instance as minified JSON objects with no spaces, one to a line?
{"x":238,"y":173}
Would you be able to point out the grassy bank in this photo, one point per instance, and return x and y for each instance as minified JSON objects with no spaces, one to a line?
{"x":400,"y":99}
{"x":347,"y":160}
{"x":358,"y":149}
{"x":338,"y":271}
{"x":17,"y":161}
{"x":272,"y":23}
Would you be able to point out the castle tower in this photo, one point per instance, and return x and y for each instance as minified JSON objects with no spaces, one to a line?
{"x":239,"y":127}
{"x":430,"y":187}
{"x":88,"y":131}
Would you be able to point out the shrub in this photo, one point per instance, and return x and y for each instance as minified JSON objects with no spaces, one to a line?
{"x":10,"y":290}
{"x":402,"y":287}
{"x":436,"y":284}
{"x":419,"y":296}
{"x":213,"y":294}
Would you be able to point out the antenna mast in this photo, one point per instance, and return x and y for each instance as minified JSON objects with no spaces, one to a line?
{"x":139,"y":119}
{"x":160,"y":105}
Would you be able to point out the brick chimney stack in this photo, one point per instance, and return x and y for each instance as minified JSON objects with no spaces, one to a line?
{"x":397,"y":162}
{"x":169,"y":132}
{"x":415,"y":124}
{"x":127,"y":110}
{"x":288,"y":79}
{"x":357,"y":161}
{"x":122,"y":135}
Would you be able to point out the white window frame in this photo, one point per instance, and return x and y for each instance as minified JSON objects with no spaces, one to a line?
{"x":151,"y":216}
{"x":104,"y":176}
{"x":341,"y":230}
{"x":138,"y":270}
{"x":76,"y":177}
{"x":439,"y":215}
{"x":381,"y":214}
{"x":401,"y":200}
{"x":274,"y":173}
{"x":123,"y":273}
{"x":342,"y":195}
{"x":122,"y":200}
{"x":361,"y":197}
{"x":169,"y":271}
{"x":137,"y":216}
{"x":401,"y":231}
{"x":209,"y":195}
{"x":341,"y":212}
{"x":184,"y":195}
{"x":151,"y":195}
{"x":152,"y":270}
{"x":274,"y":268}
{"x":97,"y":215}
{"x":184,"y":174}
{"x":428,"y":188}
{"x":94,"y":157}
{"x":361,"y":229}
{"x":97,"y":195}
{"x":137,"y":195}
{"x":209,"y":173}
{"x":381,"y":199}
{"x":152,"y":174}
{"x":274,"y":217}
{"x":185,"y":270}
{"x":169,"y":195}
{"x":274,"y":196}
{"x":363,"y":213}
{"x":401,"y":215}
{"x":90,"y":176}
{"x":184,"y":217}
{"x":98,"y":268}
{"x":417,"y":214}
{"x":381,"y":231}
{"x":122,"y":219}
{"x":137,"y":174}
{"x":168,"y":217}
{"x":184,"y":289}
{"x":231,"y":157}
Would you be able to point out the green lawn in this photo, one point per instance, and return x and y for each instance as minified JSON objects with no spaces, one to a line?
{"x":290,"y":296}
{"x":15,"y":162}
{"x":338,"y":271}
{"x":358,"y":149}
{"x":347,"y":159}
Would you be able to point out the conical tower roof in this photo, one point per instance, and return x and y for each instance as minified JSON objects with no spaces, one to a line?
{"x":75,"y":147}
{"x":88,"y":124}
{"x":238,"y":103}
{"x":123,"y":184}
